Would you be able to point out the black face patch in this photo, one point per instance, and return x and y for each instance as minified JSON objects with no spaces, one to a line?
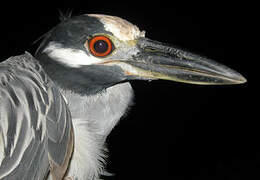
{"x":84,"y":80}
{"x":73,"y":32}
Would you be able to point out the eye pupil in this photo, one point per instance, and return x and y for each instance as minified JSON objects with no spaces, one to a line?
{"x":100,"y":46}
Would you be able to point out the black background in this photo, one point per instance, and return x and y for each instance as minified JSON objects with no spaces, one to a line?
{"x":174,"y":130}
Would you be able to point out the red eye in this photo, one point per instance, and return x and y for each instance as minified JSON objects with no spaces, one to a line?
{"x":100,"y":46}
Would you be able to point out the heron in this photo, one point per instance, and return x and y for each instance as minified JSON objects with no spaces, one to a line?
{"x":58,"y":107}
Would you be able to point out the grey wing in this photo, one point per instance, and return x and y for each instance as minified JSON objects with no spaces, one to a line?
{"x":35,"y":124}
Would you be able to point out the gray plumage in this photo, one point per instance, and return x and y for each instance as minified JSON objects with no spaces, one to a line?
{"x":35,"y":123}
{"x":34,"y":112}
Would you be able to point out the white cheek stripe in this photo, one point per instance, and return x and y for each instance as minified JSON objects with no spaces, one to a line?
{"x":68,"y":56}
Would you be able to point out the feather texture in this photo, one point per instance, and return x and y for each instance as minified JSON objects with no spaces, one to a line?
{"x":35,"y":123}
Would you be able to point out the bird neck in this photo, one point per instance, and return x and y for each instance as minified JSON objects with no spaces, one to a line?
{"x":99,"y":106}
{"x":103,"y":110}
{"x":93,"y":118}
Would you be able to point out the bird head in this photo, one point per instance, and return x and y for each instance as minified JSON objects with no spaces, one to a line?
{"x":89,"y":53}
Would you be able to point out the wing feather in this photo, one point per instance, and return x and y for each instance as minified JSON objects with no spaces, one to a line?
{"x":35,"y":123}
